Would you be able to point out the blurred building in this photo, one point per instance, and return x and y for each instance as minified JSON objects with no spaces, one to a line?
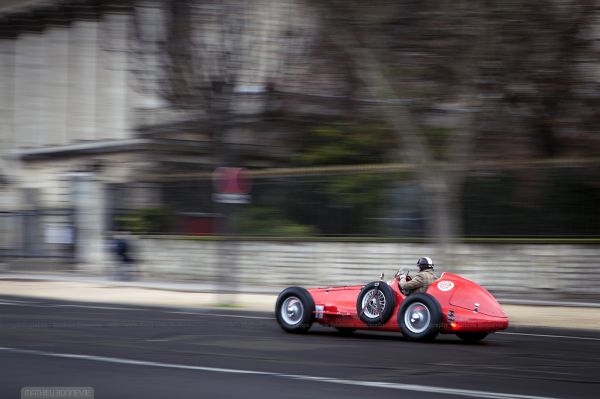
{"x":67,"y":124}
{"x":82,"y":137}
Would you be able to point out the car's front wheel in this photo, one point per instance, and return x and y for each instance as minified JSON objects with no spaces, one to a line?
{"x":294,"y":310}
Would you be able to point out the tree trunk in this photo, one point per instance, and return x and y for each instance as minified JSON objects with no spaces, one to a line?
{"x":443,"y":216}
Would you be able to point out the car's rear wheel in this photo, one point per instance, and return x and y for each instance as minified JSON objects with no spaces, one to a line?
{"x":294,"y":310}
{"x":375,"y":303}
{"x":419,"y":317}
{"x":472,"y":337}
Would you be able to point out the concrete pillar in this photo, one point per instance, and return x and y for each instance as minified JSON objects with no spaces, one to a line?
{"x":145,"y":103}
{"x":29,"y":64}
{"x":57,"y":83}
{"x":113,"y":109}
{"x":83,"y":59}
{"x":7,"y":92}
{"x":89,"y":204}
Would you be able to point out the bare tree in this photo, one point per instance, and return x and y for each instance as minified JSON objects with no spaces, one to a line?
{"x":215,"y":60}
{"x":360,"y":32}
{"x":411,"y":56}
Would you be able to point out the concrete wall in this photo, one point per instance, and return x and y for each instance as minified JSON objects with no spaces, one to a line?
{"x":509,"y":270}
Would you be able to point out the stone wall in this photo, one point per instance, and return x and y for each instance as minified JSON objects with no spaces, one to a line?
{"x":510,"y":270}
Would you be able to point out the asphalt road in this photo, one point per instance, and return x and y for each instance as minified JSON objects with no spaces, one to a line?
{"x":127,"y":352}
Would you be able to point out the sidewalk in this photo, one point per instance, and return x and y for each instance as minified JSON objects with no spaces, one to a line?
{"x":194,"y":295}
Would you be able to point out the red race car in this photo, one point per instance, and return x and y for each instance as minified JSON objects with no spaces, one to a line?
{"x":451,"y":305}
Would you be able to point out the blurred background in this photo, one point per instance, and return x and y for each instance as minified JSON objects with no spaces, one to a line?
{"x":275,"y":142}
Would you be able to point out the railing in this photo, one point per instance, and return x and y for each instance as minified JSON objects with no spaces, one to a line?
{"x":37,"y":233}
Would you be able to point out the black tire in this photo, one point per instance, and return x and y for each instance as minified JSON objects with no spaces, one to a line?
{"x":472,"y":337}
{"x":345,"y":330}
{"x":302,"y":315}
{"x":427,"y":324}
{"x":365,"y":313}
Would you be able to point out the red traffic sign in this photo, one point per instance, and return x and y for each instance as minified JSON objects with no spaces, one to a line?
{"x":231,"y":185}
{"x":231,"y":180}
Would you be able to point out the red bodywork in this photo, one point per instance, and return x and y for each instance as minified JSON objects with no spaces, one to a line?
{"x":474,"y":308}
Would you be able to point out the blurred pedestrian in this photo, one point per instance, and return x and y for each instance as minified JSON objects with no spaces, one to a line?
{"x":421,"y":281}
{"x":121,"y":247}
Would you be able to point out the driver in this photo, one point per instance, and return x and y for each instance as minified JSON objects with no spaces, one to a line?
{"x":421,"y":281}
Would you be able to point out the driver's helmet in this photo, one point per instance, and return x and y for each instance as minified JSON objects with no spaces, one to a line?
{"x":425,"y":263}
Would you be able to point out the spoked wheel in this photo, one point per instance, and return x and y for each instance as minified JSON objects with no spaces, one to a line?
{"x":472,"y":337}
{"x":419,"y":317}
{"x":294,"y":309}
{"x":375,"y":303}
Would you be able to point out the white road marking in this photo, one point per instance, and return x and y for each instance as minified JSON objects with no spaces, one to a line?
{"x":17,"y":301}
{"x":230,"y":315}
{"x":88,"y":307}
{"x":550,"y":336}
{"x":140,"y":309}
{"x":64,"y":305}
{"x":299,"y":377}
{"x":12,"y":303}
{"x":164,"y":311}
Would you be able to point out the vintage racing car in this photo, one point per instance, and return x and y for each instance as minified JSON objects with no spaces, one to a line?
{"x":451,"y":305}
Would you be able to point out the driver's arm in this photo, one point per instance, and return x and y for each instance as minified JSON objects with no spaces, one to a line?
{"x":415,"y":283}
